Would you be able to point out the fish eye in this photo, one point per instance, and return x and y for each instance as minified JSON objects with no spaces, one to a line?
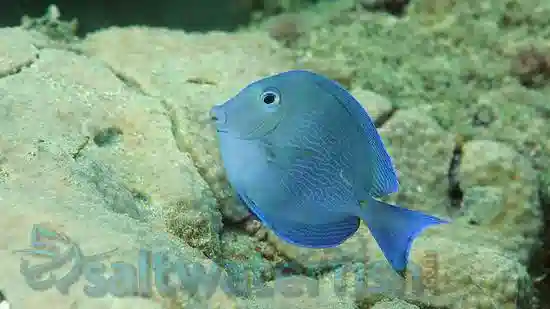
{"x":270,"y":97}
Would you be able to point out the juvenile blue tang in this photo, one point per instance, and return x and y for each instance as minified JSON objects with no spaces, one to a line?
{"x":307,"y":160}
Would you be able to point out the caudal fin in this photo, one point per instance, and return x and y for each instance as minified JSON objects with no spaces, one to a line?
{"x":394,"y":229}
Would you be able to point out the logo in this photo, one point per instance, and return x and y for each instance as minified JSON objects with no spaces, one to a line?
{"x":169,"y":276}
{"x":58,"y":250}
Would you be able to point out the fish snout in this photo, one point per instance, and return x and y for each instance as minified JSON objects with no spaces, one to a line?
{"x":218,"y":115}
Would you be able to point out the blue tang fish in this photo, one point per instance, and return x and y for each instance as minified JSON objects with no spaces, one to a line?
{"x":307,"y":160}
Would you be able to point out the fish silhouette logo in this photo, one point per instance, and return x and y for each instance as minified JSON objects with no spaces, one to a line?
{"x":43,"y":241}
{"x":57,"y":250}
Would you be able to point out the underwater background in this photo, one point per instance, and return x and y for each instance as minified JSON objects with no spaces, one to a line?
{"x":106,"y":143}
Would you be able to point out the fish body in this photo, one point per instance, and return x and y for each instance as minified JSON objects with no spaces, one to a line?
{"x":306,"y":159}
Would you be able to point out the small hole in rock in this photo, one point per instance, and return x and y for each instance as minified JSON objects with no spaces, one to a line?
{"x":288,"y":268}
{"x":483,"y":117}
{"x":140,"y":196}
{"x":107,"y":136}
{"x":473,"y":222}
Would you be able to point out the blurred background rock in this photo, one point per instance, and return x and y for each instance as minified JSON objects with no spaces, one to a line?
{"x":191,"y":15}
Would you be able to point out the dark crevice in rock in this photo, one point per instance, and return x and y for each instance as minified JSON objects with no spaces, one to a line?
{"x":179,"y":141}
{"x":382,"y":119}
{"x":422,"y":304}
{"x":80,"y":148}
{"x":174,"y":127}
{"x":72,"y":49}
{"x":393,"y":7}
{"x":55,"y":45}
{"x":180,"y":144}
{"x":129,"y":82}
{"x":539,"y":265}
{"x":236,"y":225}
{"x":172,"y":118}
{"x":133,"y":84}
{"x":455,"y":192}
{"x":290,"y":267}
{"x":20,"y":67}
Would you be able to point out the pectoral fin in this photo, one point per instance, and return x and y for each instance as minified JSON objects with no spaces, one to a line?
{"x":287,"y":156}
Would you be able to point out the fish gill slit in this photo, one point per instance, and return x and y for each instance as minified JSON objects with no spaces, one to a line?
{"x":455,"y":192}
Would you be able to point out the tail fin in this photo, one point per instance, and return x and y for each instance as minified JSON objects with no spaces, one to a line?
{"x":394,"y":229}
